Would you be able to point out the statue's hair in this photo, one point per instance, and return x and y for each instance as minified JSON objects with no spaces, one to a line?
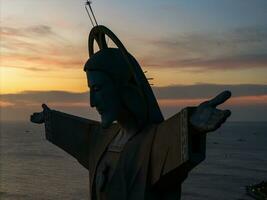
{"x":111,"y":62}
{"x":126,"y":74}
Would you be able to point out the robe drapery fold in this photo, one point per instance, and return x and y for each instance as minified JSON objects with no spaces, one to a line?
{"x":152,"y":165}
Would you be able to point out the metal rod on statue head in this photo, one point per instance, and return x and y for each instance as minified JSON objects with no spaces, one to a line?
{"x":89,"y":4}
{"x":89,"y":14}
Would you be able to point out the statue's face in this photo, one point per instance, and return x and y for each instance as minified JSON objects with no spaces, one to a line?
{"x":104,"y":96}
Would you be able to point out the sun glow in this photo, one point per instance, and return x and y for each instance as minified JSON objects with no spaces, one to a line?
{"x":15,"y":80}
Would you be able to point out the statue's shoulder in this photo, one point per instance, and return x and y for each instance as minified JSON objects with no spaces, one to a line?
{"x":173,"y":127}
{"x":180,"y":118}
{"x":170,"y":121}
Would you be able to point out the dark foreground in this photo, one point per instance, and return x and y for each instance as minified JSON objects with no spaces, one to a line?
{"x":31,"y":168}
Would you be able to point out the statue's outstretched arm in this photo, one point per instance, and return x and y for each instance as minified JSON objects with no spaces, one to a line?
{"x":177,"y":148}
{"x":180,"y":141}
{"x":70,"y":133}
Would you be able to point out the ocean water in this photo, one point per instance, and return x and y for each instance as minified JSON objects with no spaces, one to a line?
{"x":31,"y":168}
{"x":236,"y":157}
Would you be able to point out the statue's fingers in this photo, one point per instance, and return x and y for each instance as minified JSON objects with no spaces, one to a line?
{"x":37,"y":118}
{"x":227,"y":113}
{"x":45,"y":107}
{"x":217,"y":120}
{"x":203,"y":104}
{"x":222,"y":118}
{"x":34,"y":118}
{"x":219,"y":99}
{"x":212,"y":126}
{"x":34,"y":114}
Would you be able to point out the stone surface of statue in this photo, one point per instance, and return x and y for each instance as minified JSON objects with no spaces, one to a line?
{"x":141,"y":156}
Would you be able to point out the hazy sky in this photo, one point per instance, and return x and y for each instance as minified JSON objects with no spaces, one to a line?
{"x":186,"y":45}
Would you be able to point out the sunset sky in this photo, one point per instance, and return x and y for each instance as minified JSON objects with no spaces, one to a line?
{"x":193,"y":49}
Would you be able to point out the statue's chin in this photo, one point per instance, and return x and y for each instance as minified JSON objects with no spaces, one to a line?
{"x":106,"y":121}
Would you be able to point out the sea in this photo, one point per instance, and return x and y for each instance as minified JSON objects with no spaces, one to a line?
{"x":31,"y":168}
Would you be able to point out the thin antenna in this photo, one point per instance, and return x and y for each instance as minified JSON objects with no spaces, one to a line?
{"x":89,"y":4}
{"x":89,"y":14}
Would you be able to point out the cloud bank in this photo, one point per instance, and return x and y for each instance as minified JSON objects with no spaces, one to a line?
{"x":40,"y":47}
{"x":240,"y":48}
{"x":249,"y":102}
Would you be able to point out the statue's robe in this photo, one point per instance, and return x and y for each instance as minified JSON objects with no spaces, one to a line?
{"x":153,"y":163}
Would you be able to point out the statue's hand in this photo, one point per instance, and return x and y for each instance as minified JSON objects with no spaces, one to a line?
{"x":38,"y":117}
{"x":207,"y":117}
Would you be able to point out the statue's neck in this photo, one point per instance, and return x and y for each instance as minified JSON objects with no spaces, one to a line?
{"x":129,"y":124}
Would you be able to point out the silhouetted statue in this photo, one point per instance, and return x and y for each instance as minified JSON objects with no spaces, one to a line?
{"x":141,"y":156}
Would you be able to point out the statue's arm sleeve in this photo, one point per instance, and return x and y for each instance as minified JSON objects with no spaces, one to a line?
{"x":176,"y":149}
{"x":71,"y":133}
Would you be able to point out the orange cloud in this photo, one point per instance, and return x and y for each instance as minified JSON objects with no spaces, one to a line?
{"x":234,"y":101}
{"x":38,"y":48}
{"x":70,"y":104}
{"x":248,"y":100}
{"x":242,"y":107}
{"x":4,"y":104}
{"x":41,"y":62}
{"x":179,"y":102}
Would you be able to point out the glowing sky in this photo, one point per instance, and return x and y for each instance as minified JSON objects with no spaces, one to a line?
{"x":179,"y":42}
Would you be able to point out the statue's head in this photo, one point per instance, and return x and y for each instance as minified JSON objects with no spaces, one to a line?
{"x":113,"y":88}
{"x":118,"y":86}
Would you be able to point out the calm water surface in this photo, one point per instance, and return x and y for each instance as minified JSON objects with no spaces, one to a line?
{"x":33,"y":169}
